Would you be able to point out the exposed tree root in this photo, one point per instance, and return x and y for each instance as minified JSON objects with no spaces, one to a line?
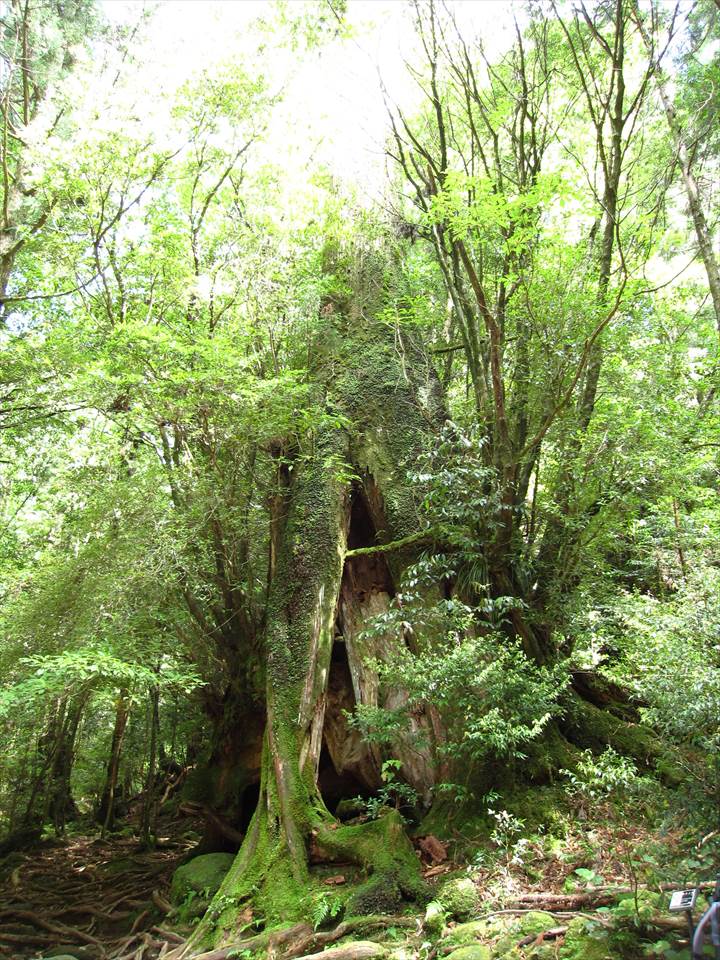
{"x":301,"y":941}
{"x":101,"y":895}
{"x":71,"y":934}
{"x":360,"y":950}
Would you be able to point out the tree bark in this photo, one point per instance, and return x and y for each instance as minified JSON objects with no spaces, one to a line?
{"x":106,"y":809}
{"x":312,"y":605}
{"x":147,"y":821}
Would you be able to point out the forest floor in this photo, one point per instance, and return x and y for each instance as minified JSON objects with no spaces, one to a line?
{"x":592,"y":889}
{"x":97,"y":898}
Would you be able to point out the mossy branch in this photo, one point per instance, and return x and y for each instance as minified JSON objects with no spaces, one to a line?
{"x":423,"y":536}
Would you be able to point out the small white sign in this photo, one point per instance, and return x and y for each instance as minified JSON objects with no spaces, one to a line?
{"x":683,"y":900}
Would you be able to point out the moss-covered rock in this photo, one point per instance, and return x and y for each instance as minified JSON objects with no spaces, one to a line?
{"x":458,"y":898}
{"x":475,"y":951}
{"x":195,"y":883}
{"x":507,"y":932}
{"x":499,"y":936}
{"x":586,"y":940}
{"x":435,"y":917}
{"x":465,"y":933}
{"x":379,"y":895}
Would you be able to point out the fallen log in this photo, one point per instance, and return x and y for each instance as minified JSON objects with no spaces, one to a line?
{"x":360,"y":950}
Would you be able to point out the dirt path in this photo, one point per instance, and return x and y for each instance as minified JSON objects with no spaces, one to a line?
{"x":98,"y":899}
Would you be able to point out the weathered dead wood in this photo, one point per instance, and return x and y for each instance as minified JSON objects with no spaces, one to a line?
{"x":536,"y":939}
{"x":161,"y":903}
{"x":567,"y":901}
{"x":360,"y":950}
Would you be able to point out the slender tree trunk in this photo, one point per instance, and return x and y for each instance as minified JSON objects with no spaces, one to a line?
{"x":106,"y":810}
{"x":678,"y":539}
{"x":692,"y":188}
{"x":147,"y":821}
{"x":60,"y":804}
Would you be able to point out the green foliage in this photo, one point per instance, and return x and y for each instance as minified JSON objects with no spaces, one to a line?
{"x":492,"y":698}
{"x":393,"y":793}
{"x":325,"y":907}
{"x":189,"y":326}
{"x":604,"y":776}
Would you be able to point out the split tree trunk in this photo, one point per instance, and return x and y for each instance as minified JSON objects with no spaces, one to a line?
{"x":318,"y":599}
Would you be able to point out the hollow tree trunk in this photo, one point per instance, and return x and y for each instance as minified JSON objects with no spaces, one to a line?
{"x":316,"y":602}
{"x":273,"y":868}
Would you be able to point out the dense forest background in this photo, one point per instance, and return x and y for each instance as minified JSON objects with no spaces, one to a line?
{"x":335,"y":512}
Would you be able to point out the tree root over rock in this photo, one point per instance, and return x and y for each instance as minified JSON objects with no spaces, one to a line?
{"x":301,"y":941}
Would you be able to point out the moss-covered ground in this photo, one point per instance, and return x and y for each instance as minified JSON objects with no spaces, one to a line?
{"x":540,"y":873}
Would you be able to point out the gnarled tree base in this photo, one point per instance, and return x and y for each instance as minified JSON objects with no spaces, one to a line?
{"x":267,"y":888}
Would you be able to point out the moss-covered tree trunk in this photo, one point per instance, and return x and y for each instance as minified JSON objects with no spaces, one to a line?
{"x":314,"y":658}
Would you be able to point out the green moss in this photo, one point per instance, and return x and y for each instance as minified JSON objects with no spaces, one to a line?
{"x":435,"y":917}
{"x":195,"y":883}
{"x":589,"y":726}
{"x":586,"y":940}
{"x":383,"y":848}
{"x":540,"y":807}
{"x":549,"y":754}
{"x":379,"y":895}
{"x":465,"y":933}
{"x":476,"y":951}
{"x":459,"y":898}
{"x":509,"y":931}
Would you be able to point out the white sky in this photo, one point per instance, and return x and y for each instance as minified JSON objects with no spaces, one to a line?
{"x":333,"y":110}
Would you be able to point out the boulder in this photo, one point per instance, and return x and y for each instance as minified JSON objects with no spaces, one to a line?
{"x":195,"y":883}
{"x":458,"y":898}
{"x":435,"y":917}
